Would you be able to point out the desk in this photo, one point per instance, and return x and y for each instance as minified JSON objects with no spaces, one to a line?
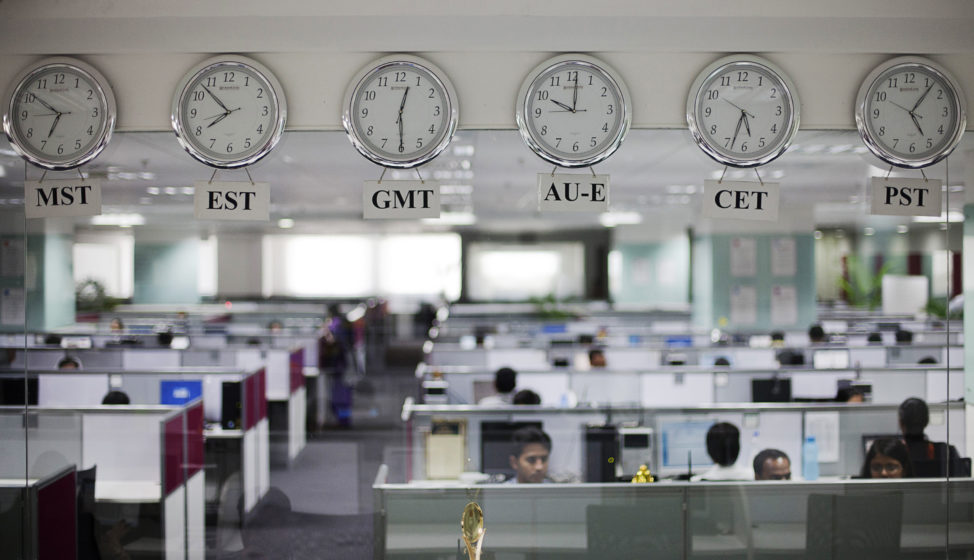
{"x":127,"y":491}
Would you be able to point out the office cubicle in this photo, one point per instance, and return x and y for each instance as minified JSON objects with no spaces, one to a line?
{"x":678,"y":520}
{"x":148,"y":462}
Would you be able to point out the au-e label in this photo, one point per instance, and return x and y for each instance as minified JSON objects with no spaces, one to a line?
{"x":55,"y":198}
{"x":906,"y":197}
{"x":400,"y":200}
{"x":232,"y":200}
{"x":741,"y":200}
{"x":573,"y":192}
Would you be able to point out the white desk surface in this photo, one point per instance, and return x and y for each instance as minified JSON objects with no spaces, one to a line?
{"x":127,"y":491}
{"x":17,"y":482}
{"x":217,"y":432}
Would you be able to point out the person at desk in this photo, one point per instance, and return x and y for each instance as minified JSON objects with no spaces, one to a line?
{"x":904,"y":336}
{"x":116,"y":397}
{"x":772,"y":464}
{"x":527,"y":396}
{"x":816,"y":334}
{"x":887,"y":458}
{"x":530,"y":450}
{"x":596,"y":358}
{"x":850,"y":395}
{"x":930,"y":457}
{"x":69,"y":362}
{"x":505,"y":380}
{"x":116,"y":325}
{"x":723,"y":446}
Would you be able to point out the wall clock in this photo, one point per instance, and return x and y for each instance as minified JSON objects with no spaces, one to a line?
{"x":573,"y":110}
{"x":400,"y":111}
{"x":60,"y":113}
{"x":910,"y":112}
{"x":743,"y":111}
{"x":229,"y":111}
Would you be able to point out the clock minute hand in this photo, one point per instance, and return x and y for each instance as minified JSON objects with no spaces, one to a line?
{"x":46,"y":104}
{"x":575,"y":94}
{"x":54,"y":124}
{"x":217,"y":99}
{"x":916,"y":122}
{"x":737,"y":130}
{"x":218,"y":119}
{"x":739,"y":108}
{"x":922,"y":97}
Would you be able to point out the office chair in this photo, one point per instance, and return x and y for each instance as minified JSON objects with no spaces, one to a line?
{"x":853,"y":527}
{"x":85,"y":486}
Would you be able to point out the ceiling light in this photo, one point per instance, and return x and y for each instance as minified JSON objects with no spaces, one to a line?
{"x":152,"y":190}
{"x":902,"y":228}
{"x":452,"y":219}
{"x":817,"y":234}
{"x":145,"y":200}
{"x":952,"y":216}
{"x":169,"y":190}
{"x":147,"y":176}
{"x":120,"y":220}
{"x":613,"y":219}
{"x":188,"y":190}
{"x":868,"y":231}
{"x":285,"y":223}
{"x":673,"y":189}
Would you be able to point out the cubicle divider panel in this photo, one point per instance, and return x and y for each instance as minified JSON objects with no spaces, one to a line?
{"x":55,"y":517}
{"x":83,"y":389}
{"x":174,"y":512}
{"x":194,"y":440}
{"x":195,"y":516}
{"x":173,"y":453}
{"x":296,"y":369}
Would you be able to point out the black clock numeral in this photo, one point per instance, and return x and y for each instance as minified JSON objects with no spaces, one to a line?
{"x":400,"y":77}
{"x":713,"y":129}
{"x":77,"y":82}
{"x":589,"y":79}
{"x":23,"y":115}
{"x":727,"y":141}
{"x":368,"y":131}
{"x":58,"y":79}
{"x":572,"y":76}
{"x":593,"y":143}
{"x":743,"y":146}
{"x":246,"y":81}
{"x":260,"y":93}
{"x":431,"y":129}
{"x":605,"y":90}
{"x":265,"y":112}
{"x":609,"y":110}
{"x":895,"y":141}
{"x":91,"y":95}
{"x":211,"y":81}
{"x":260,"y":129}
{"x":724,"y":81}
{"x":199,"y":95}
{"x":575,"y":147}
{"x":929,"y":143}
{"x":909,"y":78}
{"x":761,"y":142}
{"x":369,"y":95}
{"x":894,"y":82}
{"x":778,"y":111}
{"x":60,"y":149}
{"x":199,"y":130}
{"x":29,"y":97}
{"x":605,"y":127}
{"x":557,"y":142}
{"x":742,"y":76}
{"x":880,"y":96}
{"x":228,"y":77}
{"x":940,"y":94}
{"x":774,"y":128}
{"x":774,"y":93}
{"x":42,"y":83}
{"x":43,"y":144}
{"x":940,"y":130}
{"x":230,"y":147}
{"x":365,"y":112}
{"x":212,"y":141}
{"x":875,"y":113}
{"x":760,"y":80}
{"x":90,"y":131}
{"x":555,"y":81}
{"x":384,"y":140}
{"x":30,"y":132}
{"x":77,"y":144}
{"x":419,"y":143}
{"x":707,"y":111}
{"x":247,"y":142}
{"x":383,"y":81}
{"x":432,"y":92}
{"x":436,"y":111}
{"x":537,"y":112}
{"x":94,"y":111}
{"x":542,"y":95}
{"x":945,"y":112}
{"x":544,"y":130}
{"x":713,"y":94}
{"x":882,"y":131}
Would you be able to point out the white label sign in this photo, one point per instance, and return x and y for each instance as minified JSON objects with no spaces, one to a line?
{"x":906,"y":197}
{"x":400,"y":200}
{"x":55,"y":198}
{"x":740,"y":200}
{"x":237,"y":200}
{"x":564,"y":192}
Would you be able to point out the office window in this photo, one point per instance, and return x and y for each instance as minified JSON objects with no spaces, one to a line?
{"x":420,"y":265}
{"x":107,"y":259}
{"x":518,"y":272}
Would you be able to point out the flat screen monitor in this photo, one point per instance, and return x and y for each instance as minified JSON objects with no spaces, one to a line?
{"x":12,"y":391}
{"x":771,"y":390}
{"x":179,"y":391}
{"x":683,"y":445}
{"x":495,"y":445}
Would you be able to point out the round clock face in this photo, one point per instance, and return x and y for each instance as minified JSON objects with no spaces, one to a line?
{"x":400,"y":112}
{"x":229,"y":112}
{"x":910,"y":112}
{"x":573,"y":111}
{"x":60,"y":114}
{"x":743,"y":111}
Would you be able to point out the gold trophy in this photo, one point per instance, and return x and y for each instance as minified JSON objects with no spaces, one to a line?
{"x":472,"y":529}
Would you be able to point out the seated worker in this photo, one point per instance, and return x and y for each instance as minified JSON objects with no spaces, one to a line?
{"x":816,"y":334}
{"x":116,"y":325}
{"x":875,"y":338}
{"x":850,"y":395}
{"x":596,"y":358}
{"x":529,"y":456}
{"x":777,"y":339}
{"x":505,"y":380}
{"x":527,"y":396}
{"x":723,"y":446}
{"x":904,"y":336}
{"x":887,"y":458}
{"x":69,"y":362}
{"x":772,"y":464}
{"x":275,"y":327}
{"x":929,"y":457}
{"x":116,"y":397}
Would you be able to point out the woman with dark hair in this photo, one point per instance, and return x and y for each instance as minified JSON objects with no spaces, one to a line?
{"x":887,"y":458}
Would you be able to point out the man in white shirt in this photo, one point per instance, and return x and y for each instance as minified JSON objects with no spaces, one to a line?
{"x":723,"y":446}
{"x":505,"y":380}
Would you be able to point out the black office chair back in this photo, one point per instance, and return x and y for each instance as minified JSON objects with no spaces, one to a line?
{"x":853,"y":527}
{"x":87,"y":546}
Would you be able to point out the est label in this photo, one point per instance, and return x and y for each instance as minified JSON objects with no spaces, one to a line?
{"x":237,"y":200}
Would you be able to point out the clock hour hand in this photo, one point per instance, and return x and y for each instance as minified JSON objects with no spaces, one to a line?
{"x":746,"y":125}
{"x":563,"y":105}
{"x":218,"y":119}
{"x":916,"y":122}
{"x":54,"y":124}
{"x":575,"y":94}
{"x":922,"y":97}
{"x":217,"y":99}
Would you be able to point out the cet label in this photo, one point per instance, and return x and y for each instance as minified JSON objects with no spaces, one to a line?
{"x":573,"y":192}
{"x":741,"y":200}
{"x":906,"y":197}
{"x":237,"y":200}
{"x":68,"y":197}
{"x":400,"y":200}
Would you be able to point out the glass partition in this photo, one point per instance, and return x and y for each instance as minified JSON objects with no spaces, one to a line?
{"x":328,"y":349}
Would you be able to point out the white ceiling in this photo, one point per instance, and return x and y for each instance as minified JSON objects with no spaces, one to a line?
{"x":316,"y":180}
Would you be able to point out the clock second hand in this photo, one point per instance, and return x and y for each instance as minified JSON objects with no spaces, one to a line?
{"x":399,"y":119}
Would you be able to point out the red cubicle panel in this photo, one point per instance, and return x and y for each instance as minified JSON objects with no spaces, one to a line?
{"x":173,"y":454}
{"x":297,"y":369}
{"x":57,"y":531}
{"x":194,"y":439}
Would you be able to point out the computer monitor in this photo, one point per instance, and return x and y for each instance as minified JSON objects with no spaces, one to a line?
{"x":179,"y":391}
{"x":683,"y":445}
{"x":776,"y":389}
{"x":12,"y":391}
{"x":868,"y":439}
{"x":495,"y":445}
